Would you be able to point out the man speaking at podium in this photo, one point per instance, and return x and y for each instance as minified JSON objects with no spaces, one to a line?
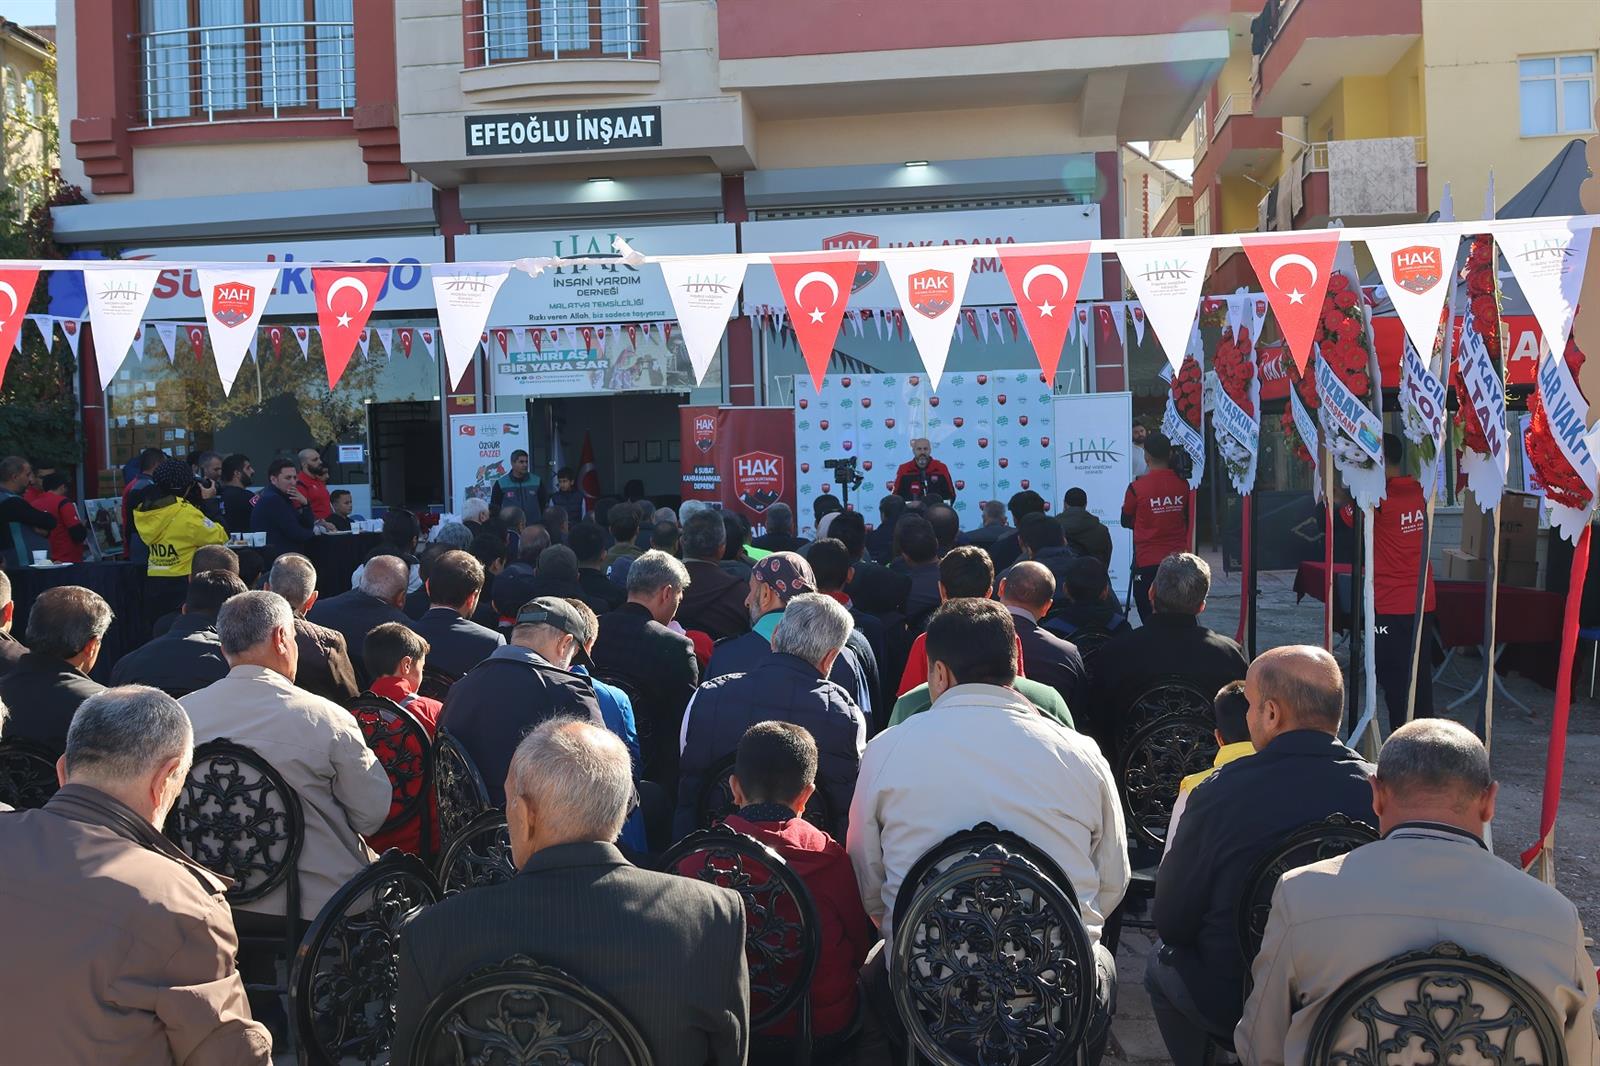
{"x":924,"y":477}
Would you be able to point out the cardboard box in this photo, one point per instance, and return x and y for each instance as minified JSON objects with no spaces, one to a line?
{"x":1519,"y":572}
{"x":1459,"y":566}
{"x":1519,"y":527}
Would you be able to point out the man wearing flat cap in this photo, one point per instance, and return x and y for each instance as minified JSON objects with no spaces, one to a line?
{"x":519,"y":686}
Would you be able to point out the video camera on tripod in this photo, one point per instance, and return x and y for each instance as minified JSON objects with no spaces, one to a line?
{"x":846,"y":474}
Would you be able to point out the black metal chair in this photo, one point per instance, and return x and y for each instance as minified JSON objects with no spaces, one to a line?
{"x":478,"y":855}
{"x":1151,"y":765}
{"x":1164,"y":696}
{"x":458,"y":786}
{"x":405,"y":751}
{"x":521,"y":1012}
{"x":347,"y":971}
{"x":436,"y":683}
{"x":27,"y":774}
{"x":643,"y":726}
{"x":1443,"y":1005}
{"x":716,"y":801}
{"x":238,"y":817}
{"x":991,"y":962}
{"x":1328,"y":838}
{"x":783,"y":940}
{"x":1089,"y":640}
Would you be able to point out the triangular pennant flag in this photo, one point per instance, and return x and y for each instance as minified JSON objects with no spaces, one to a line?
{"x":303,"y":335}
{"x":429,"y":341}
{"x":16,"y":288}
{"x":1167,"y":275}
{"x":816,"y":288}
{"x":275,"y":338}
{"x":345,"y":298}
{"x":930,"y":283}
{"x":46,"y":325}
{"x":536,"y":338}
{"x":1236,"y":312}
{"x":386,"y":338}
{"x":1045,"y":283}
{"x":1548,"y":262}
{"x":72,"y":329}
{"x":587,"y":333}
{"x":167,"y":333}
{"x":117,"y":298}
{"x":1294,"y":272}
{"x":464,"y":293}
{"x":502,"y":337}
{"x":197,"y":340}
{"x":1257,"y":308}
{"x":363,"y":341}
{"x":703,"y":294}
{"x":1415,"y":268}
{"x":233,"y":300}
{"x":1137,"y":311}
{"x":405,"y":340}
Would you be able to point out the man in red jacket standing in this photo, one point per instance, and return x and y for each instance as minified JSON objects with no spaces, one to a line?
{"x":775,"y":773}
{"x":313,"y":484}
{"x":924,"y":477}
{"x":1156,"y":508}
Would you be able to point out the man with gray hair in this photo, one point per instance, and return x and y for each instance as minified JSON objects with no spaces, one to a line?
{"x":11,"y":649}
{"x":130,"y":943}
{"x":640,"y":645}
{"x":994,"y":527}
{"x":324,"y":668}
{"x":1170,"y":642}
{"x":314,"y":743}
{"x":520,"y":685}
{"x":790,"y":685}
{"x":779,"y":536}
{"x":714,"y":602}
{"x":1431,"y":878}
{"x":65,"y":630}
{"x":578,"y":905}
{"x":378,"y":597}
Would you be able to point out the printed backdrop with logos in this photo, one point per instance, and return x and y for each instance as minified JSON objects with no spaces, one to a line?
{"x":480,"y":452}
{"x":739,"y":457}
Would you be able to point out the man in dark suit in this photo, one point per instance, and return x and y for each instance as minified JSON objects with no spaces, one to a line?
{"x":456,"y":643}
{"x":880,"y":542}
{"x":324,"y":668}
{"x":1026,"y":591}
{"x":874,"y":589}
{"x":714,"y":601}
{"x":1300,"y":773}
{"x":994,"y":526}
{"x":588,"y":542}
{"x":1008,"y":549}
{"x":11,"y":649}
{"x":521,"y":685}
{"x":189,"y":655}
{"x":666,"y":951}
{"x":779,"y":536}
{"x":376,"y":599}
{"x":46,"y":686}
{"x":919,"y":561}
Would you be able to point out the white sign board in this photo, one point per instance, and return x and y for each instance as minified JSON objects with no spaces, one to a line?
{"x":1094,"y":453}
{"x":584,"y":295}
{"x":480,"y":452}
{"x":177,"y":292}
{"x":987,"y":285}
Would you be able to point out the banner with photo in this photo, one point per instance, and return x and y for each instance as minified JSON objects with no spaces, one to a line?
{"x":480,"y":452}
{"x":641,"y":358}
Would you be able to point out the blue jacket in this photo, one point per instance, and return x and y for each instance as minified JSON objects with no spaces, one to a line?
{"x":741,"y":654}
{"x":286,"y":526}
{"x":527,"y":494}
{"x":617,"y":709}
{"x":781,"y":688}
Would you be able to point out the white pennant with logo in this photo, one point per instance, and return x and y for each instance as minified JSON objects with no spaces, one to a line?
{"x":464,"y":293}
{"x":1486,"y":474}
{"x":427,"y":337}
{"x":168,"y":334}
{"x":233,"y":301}
{"x":1167,"y":275}
{"x":1567,"y":411}
{"x":117,"y":298}
{"x":386,"y":338}
{"x":703,"y":294}
{"x":1415,"y":269}
{"x":930,"y":284}
{"x":1548,"y":262}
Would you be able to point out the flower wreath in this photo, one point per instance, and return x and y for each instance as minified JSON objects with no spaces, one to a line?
{"x":1185,"y":388}
{"x":1483,"y":306}
{"x":1236,"y":367}
{"x":1561,"y":483}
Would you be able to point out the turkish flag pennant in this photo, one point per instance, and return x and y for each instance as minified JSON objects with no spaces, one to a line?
{"x":1011,"y":320}
{"x":816,"y":288}
{"x":1294,"y":273}
{"x":275,"y":337}
{"x":1045,"y":283}
{"x":16,"y":288}
{"x":344,"y":302}
{"x":971,"y":315}
{"x":501,"y":338}
{"x":587,"y":333}
{"x":197,"y":341}
{"x":633,"y":335}
{"x":405,"y":340}
{"x":666,"y":333}
{"x":537,"y":337}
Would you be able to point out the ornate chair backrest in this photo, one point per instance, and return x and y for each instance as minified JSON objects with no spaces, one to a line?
{"x":716,"y":800}
{"x":478,"y":855}
{"x":461,"y":793}
{"x":1444,"y":1006}
{"x":436,"y":683}
{"x":1164,"y":696}
{"x":991,"y":962}
{"x":27,"y":774}
{"x":238,"y":817}
{"x":1089,"y":640}
{"x":782,"y":938}
{"x":1151,"y":765}
{"x":521,"y":1012}
{"x":404,"y":750}
{"x":346,"y":972}
{"x":1328,"y":838}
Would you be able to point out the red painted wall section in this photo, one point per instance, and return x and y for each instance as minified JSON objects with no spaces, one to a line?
{"x":760,"y":29}
{"x":108,"y":89}
{"x":377,"y":110}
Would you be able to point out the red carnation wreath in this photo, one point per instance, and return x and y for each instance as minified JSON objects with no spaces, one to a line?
{"x":1484,"y":308}
{"x":1185,"y":387}
{"x":1342,"y":336}
{"x":1561,"y":483}
{"x":1236,"y":367}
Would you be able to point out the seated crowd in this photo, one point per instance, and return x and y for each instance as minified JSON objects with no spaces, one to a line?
{"x":621,"y":683}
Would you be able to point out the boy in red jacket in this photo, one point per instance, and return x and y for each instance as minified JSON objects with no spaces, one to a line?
{"x":396,"y":655}
{"x":775,"y":773}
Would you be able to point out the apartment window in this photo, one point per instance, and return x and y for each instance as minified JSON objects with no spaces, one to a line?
{"x":1557,"y":95}
{"x":513,"y":31}
{"x":227,"y":60}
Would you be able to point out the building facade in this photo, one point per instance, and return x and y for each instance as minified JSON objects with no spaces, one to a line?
{"x":26,"y":58}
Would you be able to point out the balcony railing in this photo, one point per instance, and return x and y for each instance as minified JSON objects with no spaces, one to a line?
{"x":517,"y":31}
{"x":257,"y":71}
{"x":1233,"y":104}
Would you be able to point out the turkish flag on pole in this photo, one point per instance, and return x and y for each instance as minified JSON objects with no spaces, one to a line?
{"x":197,"y":341}
{"x":588,"y":475}
{"x":344,"y":303}
{"x":16,"y":289}
{"x":1045,"y":283}
{"x":1294,"y":273}
{"x":816,"y":287}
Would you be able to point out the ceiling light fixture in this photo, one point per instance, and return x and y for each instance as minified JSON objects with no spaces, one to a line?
{"x":916,"y":162}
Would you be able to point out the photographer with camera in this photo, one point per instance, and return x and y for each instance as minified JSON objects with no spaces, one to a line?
{"x":924,"y":477}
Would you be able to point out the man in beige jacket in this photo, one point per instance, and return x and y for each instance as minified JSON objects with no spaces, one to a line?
{"x":1429,"y":879}
{"x":314,"y":743}
{"x":119,"y":948}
